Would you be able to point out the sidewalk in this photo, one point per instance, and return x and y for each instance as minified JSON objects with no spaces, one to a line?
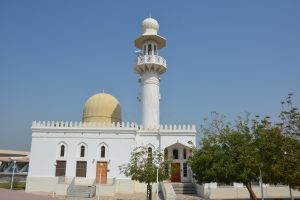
{"x":6,"y":194}
{"x":138,"y":196}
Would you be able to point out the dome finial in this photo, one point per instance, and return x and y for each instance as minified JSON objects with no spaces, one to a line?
{"x":150,"y":26}
{"x":102,"y":90}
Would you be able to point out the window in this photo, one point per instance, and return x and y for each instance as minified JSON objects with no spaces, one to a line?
{"x":149,"y":49}
{"x":149,"y":151}
{"x":81,"y":169}
{"x":60,"y":168}
{"x":82,"y":151}
{"x":184,"y":153}
{"x":102,"y":152}
{"x":155,"y":52}
{"x":175,"y":154}
{"x":62,"y":150}
{"x":184,"y":169}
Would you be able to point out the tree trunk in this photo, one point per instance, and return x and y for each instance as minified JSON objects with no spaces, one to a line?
{"x":149,"y":191}
{"x":251,"y":192}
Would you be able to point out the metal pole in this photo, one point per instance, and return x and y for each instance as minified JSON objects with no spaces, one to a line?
{"x":157,"y":167}
{"x":261,"y":184}
{"x":157,"y":183}
{"x":291,"y":194}
{"x":12,"y":177}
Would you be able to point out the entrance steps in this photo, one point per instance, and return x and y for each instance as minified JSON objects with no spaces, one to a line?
{"x":184,"y":188}
{"x":80,"y":191}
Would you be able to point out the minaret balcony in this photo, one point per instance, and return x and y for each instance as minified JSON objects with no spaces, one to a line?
{"x":146,"y":63}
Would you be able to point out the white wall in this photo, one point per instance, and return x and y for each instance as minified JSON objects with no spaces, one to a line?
{"x":271,"y":192}
{"x":44,"y":153}
{"x":120,"y":141}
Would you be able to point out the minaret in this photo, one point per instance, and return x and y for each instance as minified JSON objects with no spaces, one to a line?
{"x":149,"y":66}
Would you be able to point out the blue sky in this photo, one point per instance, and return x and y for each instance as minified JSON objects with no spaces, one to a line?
{"x":224,"y":56}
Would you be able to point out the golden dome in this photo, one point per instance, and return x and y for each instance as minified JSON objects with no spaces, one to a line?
{"x":102,"y":108}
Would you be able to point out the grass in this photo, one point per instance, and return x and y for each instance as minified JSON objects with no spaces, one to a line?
{"x":16,"y":186}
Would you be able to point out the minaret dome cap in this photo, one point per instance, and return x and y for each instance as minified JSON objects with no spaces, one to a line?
{"x":150,"y":26}
{"x":150,"y":29}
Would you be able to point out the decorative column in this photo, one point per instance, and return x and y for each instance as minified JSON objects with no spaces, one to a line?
{"x":149,"y":66}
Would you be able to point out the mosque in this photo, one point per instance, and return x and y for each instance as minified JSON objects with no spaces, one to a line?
{"x":67,"y":157}
{"x":83,"y":158}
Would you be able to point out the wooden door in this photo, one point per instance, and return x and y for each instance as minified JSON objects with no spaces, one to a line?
{"x":81,"y":169}
{"x":175,"y":172}
{"x":60,"y":168}
{"x":101,"y":171}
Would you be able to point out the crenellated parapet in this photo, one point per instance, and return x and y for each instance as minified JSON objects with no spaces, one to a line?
{"x":122,"y":125}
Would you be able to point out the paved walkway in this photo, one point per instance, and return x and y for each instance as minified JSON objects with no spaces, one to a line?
{"x":137,"y":196}
{"x":6,"y":194}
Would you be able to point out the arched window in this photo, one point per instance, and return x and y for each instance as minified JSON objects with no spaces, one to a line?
{"x":149,"y":150}
{"x":62,"y":150}
{"x":175,"y":154}
{"x":102,"y":152}
{"x":184,"y":153}
{"x":82,"y":151}
{"x":149,"y":49}
{"x":155,"y":51}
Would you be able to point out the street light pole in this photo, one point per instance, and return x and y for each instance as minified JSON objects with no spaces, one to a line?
{"x":291,"y":194}
{"x":12,"y":177}
{"x":157,"y":167}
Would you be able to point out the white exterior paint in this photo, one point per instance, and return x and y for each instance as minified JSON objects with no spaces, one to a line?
{"x":238,"y":192}
{"x":149,"y":66}
{"x":187,"y":177}
{"x":119,"y":141}
{"x":150,"y":98}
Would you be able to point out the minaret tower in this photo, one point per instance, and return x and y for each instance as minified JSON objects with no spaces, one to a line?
{"x":149,"y":66}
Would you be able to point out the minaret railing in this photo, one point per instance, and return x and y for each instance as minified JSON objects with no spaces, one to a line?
{"x":155,"y":59}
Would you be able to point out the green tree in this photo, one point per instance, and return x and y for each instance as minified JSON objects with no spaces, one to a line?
{"x":290,"y":117}
{"x":237,"y":153}
{"x":227,"y":154}
{"x":280,"y":158}
{"x":285,"y":168}
{"x":141,"y":167}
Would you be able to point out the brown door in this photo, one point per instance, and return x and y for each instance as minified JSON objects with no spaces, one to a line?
{"x":60,"y":168}
{"x":175,"y":172}
{"x":81,"y":169}
{"x":101,"y":171}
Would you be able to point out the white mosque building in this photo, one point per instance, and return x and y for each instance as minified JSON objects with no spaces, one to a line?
{"x":70,"y":157}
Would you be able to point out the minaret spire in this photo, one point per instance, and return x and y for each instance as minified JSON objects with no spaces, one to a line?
{"x":149,"y":66}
